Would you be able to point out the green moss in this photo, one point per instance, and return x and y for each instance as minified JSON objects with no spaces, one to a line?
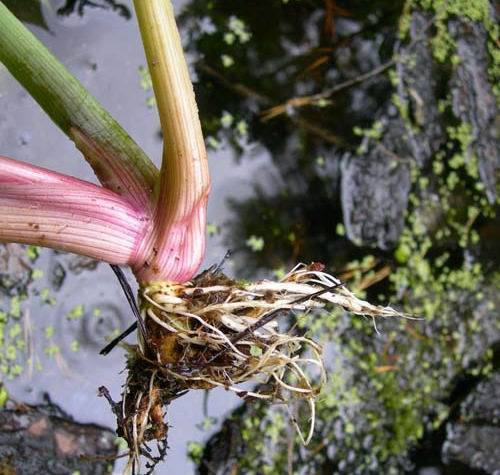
{"x":238,"y":29}
{"x":32,"y":252}
{"x":227,"y":60}
{"x":226,"y":120}
{"x":255,"y":243}
{"x":443,"y":45}
{"x":74,"y":345}
{"x":37,"y":274}
{"x":14,"y":331}
{"x":374,"y":132}
{"x":195,"y":452}
{"x":49,"y":331}
{"x":52,"y":350}
{"x":11,"y":352}
{"x":405,"y":21}
{"x":4,"y":396}
{"x":15,"y":370}
{"x":402,"y":107}
{"x":76,"y":312}
{"x":46,"y":298}
{"x":145,"y":82}
{"x":15,"y":306}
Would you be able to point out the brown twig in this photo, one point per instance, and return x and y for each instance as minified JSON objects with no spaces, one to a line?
{"x":372,"y":279}
{"x":322,"y":133}
{"x":302,"y":101}
{"x":265,"y":101}
{"x":239,"y":88}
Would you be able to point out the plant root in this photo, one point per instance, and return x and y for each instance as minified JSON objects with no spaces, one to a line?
{"x":213,"y":332}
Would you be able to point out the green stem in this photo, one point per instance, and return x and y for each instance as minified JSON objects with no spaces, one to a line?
{"x":184,"y":184}
{"x":117,"y":160}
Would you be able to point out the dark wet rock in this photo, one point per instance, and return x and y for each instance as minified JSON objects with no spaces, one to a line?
{"x":417,"y":94}
{"x":375,"y":180}
{"x":483,"y":405}
{"x":474,"y":438}
{"x":225,"y":448}
{"x":15,"y":270}
{"x":416,"y":132}
{"x":28,"y":11}
{"x":475,"y":446}
{"x":374,"y":198}
{"x":78,"y":264}
{"x":57,"y":275}
{"x":44,"y":440}
{"x":486,"y":312}
{"x":408,"y":392}
{"x":474,"y":101}
{"x":79,"y":6}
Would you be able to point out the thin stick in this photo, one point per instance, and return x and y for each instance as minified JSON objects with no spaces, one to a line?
{"x":117,"y":340}
{"x":307,"y":100}
{"x":301,"y":101}
{"x":262,"y":100}
{"x":130,"y":298}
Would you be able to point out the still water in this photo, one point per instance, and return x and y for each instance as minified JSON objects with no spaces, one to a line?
{"x":105,"y":53}
{"x":378,"y":180}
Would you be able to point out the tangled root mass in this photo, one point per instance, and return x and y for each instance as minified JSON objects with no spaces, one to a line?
{"x":210,"y":332}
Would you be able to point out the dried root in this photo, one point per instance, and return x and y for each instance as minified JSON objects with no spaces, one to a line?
{"x":214,"y":331}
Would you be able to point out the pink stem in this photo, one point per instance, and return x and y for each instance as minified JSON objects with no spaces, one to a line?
{"x":45,"y":208}
{"x":13,"y":171}
{"x":113,"y":166}
{"x":175,"y":249}
{"x":155,"y":224}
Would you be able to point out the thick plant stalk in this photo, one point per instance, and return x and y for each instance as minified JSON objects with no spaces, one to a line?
{"x":173,"y":247}
{"x":45,"y":208}
{"x":117,"y":160}
{"x":179,"y":240}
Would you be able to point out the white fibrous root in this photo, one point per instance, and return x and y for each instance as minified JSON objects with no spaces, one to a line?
{"x":216,"y":332}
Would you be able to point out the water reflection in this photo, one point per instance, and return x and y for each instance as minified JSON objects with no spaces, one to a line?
{"x":265,"y":75}
{"x":256,"y":62}
{"x":79,"y":6}
{"x":364,"y":146}
{"x":267,"y":83}
{"x":73,"y":304}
